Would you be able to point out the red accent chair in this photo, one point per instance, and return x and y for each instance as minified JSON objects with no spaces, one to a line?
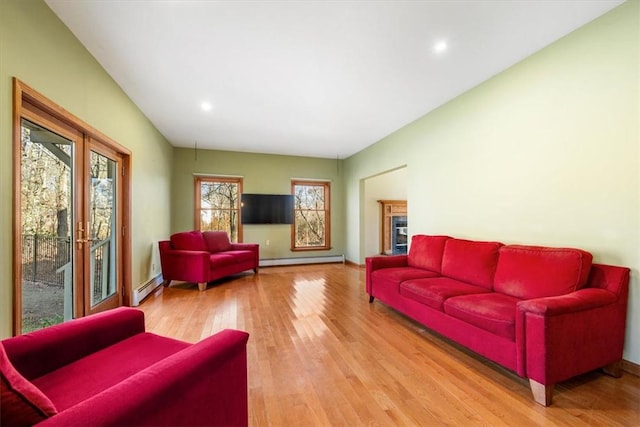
{"x":105,"y":370}
{"x":201,"y":257}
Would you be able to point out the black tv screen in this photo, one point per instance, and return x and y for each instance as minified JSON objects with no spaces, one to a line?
{"x":266,"y":208}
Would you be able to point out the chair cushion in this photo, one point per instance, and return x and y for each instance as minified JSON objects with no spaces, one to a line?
{"x":426,"y":252}
{"x":188,"y":241}
{"x":471,"y":261}
{"x":21,"y":402}
{"x":434,"y":291}
{"x":493,"y":312}
{"x":529,"y":272}
{"x":84,"y":378}
{"x":216,"y":241}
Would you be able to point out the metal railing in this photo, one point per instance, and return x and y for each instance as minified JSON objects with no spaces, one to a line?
{"x":43,"y":256}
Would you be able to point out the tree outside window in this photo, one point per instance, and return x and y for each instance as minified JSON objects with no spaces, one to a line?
{"x":311,"y":226}
{"x":218,"y":205}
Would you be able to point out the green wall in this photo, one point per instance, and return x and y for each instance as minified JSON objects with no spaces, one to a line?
{"x":261,"y":173}
{"x":547,"y":152}
{"x":38,"y":49}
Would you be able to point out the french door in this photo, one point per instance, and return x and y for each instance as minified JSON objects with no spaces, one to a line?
{"x":71,"y":214}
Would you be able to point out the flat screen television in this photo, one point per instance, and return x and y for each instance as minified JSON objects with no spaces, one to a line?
{"x":266,"y":208}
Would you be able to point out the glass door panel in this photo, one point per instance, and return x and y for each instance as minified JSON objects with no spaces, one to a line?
{"x":46,"y":227}
{"x":101,"y":229}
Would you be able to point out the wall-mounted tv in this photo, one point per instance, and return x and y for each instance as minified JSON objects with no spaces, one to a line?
{"x":266,"y":208}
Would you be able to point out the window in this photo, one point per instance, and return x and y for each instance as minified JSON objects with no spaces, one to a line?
{"x":218,"y":205}
{"x":311,"y":222}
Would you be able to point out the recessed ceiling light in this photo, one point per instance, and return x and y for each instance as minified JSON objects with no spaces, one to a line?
{"x":206,"y":106}
{"x":440,"y":46}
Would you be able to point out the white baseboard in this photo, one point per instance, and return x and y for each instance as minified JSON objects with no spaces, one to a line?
{"x":301,"y":260}
{"x":143,"y":291}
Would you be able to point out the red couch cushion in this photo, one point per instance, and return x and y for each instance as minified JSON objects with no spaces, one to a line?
{"x":97,"y":372}
{"x":493,"y":312}
{"x":471,"y":261}
{"x":426,"y":252}
{"x":188,"y":241}
{"x":21,"y":402}
{"x":216,"y":241}
{"x":434,"y":291}
{"x":529,"y":272}
{"x":241,"y":256}
{"x":400,"y":274}
{"x":221,"y":260}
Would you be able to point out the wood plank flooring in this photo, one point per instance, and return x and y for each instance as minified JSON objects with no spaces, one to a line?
{"x":320,"y":355}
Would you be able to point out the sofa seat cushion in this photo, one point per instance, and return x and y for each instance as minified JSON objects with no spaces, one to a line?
{"x":426,"y":252}
{"x":221,"y":259}
{"x":95,"y":373}
{"x":493,"y":312}
{"x":471,"y":261}
{"x":188,"y":241}
{"x":241,"y":256}
{"x":434,"y":291}
{"x":530,"y":272}
{"x":396,"y":275}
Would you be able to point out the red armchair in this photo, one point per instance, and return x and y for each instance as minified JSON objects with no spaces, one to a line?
{"x":105,"y":370}
{"x":202,"y":257}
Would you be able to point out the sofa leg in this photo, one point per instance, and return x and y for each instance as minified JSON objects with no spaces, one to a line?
{"x":166,"y":283}
{"x":371,"y":298}
{"x":202,"y":286}
{"x":542,"y":393}
{"x":255,"y":270}
{"x":614,"y":369}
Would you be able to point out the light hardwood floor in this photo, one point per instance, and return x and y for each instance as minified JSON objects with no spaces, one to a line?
{"x":320,"y":355}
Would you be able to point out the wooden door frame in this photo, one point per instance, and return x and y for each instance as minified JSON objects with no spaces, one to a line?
{"x":25,"y":97}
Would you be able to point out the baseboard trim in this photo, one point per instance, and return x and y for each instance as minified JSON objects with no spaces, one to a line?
{"x":354,"y":264}
{"x":145,"y":290}
{"x":631,"y":367}
{"x":301,"y":260}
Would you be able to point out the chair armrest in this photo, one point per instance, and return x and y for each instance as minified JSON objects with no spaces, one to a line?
{"x":563,"y":336}
{"x":39,"y":352}
{"x":244,"y":246}
{"x":204,"y":384}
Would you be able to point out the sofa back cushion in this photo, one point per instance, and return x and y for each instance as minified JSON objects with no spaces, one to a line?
{"x":188,"y":241}
{"x":529,"y":272}
{"x":426,"y":252}
{"x":471,"y":261}
{"x":21,"y":402}
{"x":217,"y":241}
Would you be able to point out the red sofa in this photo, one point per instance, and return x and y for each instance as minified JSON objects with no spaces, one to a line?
{"x":202,"y":257}
{"x":547,"y":314}
{"x":105,"y":370}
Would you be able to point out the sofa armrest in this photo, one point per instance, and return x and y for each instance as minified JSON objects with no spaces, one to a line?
{"x":204,"y":384}
{"x":253,"y":247}
{"x":191,"y":266}
{"x":563,"y":336}
{"x":584,"y":299}
{"x":377,"y":262}
{"x":39,"y":352}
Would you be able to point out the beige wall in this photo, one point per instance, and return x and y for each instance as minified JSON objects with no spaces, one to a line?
{"x":39,"y":50}
{"x":546,"y":152}
{"x":261,"y":173}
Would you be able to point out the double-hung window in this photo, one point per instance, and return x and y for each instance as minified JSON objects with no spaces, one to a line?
{"x":311,"y":229}
{"x":218,"y":205}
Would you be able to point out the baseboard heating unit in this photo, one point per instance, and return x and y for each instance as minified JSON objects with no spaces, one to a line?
{"x":301,"y":260}
{"x":143,"y":291}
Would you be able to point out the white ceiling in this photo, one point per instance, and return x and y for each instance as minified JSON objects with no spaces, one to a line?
{"x":308,"y":78}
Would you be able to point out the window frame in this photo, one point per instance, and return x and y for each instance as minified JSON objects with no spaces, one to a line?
{"x":198,"y":180}
{"x":327,"y":211}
